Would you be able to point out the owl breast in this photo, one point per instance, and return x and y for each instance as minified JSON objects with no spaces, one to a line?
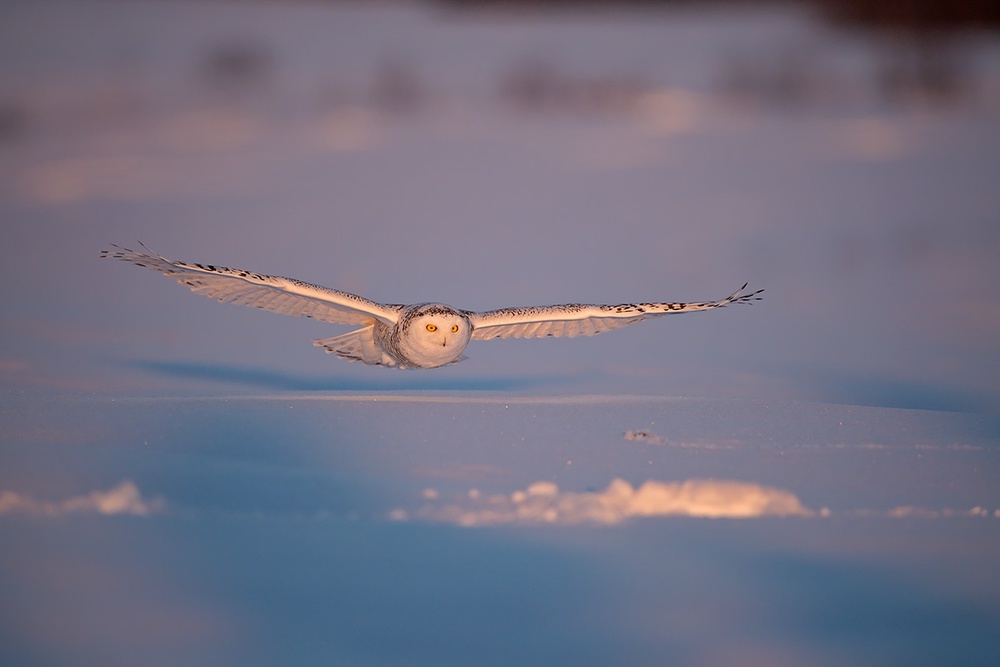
{"x":427,"y":336}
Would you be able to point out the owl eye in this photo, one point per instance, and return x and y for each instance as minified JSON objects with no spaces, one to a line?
{"x":432,"y":328}
{"x":454,"y":328}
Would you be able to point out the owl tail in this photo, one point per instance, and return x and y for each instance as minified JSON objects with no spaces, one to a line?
{"x":358,"y":345}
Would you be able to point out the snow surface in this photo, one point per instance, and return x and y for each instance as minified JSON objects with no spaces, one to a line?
{"x":495,"y":529}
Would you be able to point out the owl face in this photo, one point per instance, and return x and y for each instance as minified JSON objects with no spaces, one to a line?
{"x":435,"y":335}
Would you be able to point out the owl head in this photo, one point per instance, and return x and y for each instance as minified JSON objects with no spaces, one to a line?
{"x":435,"y":334}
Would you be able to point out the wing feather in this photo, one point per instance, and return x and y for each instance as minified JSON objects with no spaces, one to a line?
{"x":575,"y":319}
{"x":258,"y":290}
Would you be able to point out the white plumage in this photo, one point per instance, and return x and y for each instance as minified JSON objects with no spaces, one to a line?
{"x":425,"y":335}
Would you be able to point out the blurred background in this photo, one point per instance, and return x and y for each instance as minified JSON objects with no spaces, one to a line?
{"x":842,"y":155}
{"x":187,"y":483}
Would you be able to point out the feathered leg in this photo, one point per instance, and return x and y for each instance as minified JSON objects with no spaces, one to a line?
{"x":357,"y":345}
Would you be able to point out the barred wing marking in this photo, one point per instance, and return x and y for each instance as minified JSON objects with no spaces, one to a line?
{"x":286,"y":296}
{"x":576,"y":319}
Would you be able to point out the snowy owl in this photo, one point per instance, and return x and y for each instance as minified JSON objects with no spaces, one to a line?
{"x":424,"y":335}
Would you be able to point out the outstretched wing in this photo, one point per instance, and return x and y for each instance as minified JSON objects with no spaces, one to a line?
{"x":247,"y":288}
{"x":575,"y":319}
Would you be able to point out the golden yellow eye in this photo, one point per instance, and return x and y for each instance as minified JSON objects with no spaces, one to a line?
{"x":432,"y":328}
{"x":454,"y":328}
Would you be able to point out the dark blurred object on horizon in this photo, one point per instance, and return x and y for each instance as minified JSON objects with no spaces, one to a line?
{"x":913,"y":15}
{"x":237,"y":67}
{"x":15,"y":119}
{"x":535,"y":85}
{"x":924,"y":56}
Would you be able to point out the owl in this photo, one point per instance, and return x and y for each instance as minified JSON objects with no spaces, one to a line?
{"x":423,"y":335}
